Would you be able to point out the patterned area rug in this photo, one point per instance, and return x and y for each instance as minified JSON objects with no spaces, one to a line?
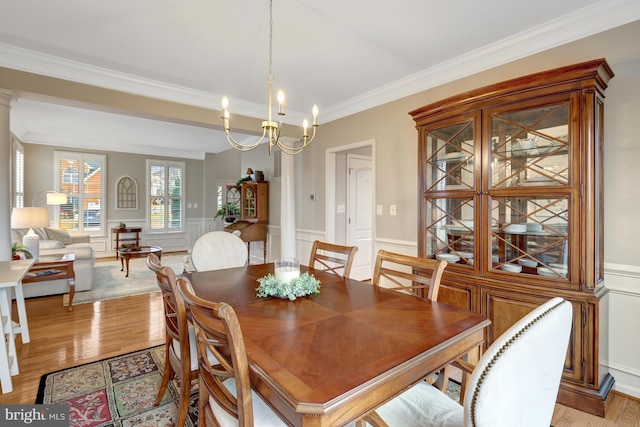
{"x":109,"y":282}
{"x":117,"y":392}
{"x":120,"y":392}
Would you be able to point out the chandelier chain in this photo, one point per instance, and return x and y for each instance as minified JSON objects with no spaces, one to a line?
{"x":270,"y":128}
{"x":270,"y":75}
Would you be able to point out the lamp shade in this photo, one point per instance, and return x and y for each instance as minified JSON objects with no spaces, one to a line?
{"x":56,"y":198}
{"x":29,"y":217}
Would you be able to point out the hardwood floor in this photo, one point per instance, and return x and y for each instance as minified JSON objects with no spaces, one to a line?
{"x":61,"y":339}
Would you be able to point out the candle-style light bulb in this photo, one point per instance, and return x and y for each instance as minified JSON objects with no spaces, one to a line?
{"x":225,"y":103}
{"x":280,"y":97}
{"x":314,"y":111}
{"x":305,"y":126}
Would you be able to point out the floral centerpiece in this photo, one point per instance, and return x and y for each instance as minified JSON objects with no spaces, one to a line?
{"x":305,"y":284}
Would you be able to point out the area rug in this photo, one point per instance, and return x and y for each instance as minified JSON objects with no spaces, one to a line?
{"x":120,"y":392}
{"x":117,"y":392}
{"x":109,"y":282}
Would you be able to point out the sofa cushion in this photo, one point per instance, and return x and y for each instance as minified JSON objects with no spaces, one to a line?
{"x":51,"y":244}
{"x":18,"y":233}
{"x":58,"y":234}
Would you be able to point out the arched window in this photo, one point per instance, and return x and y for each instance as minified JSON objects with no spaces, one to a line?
{"x":127,"y":193}
{"x":70,"y":176}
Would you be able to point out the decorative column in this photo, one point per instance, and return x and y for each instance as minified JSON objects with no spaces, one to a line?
{"x":288,"y":206}
{"x":7,"y":181}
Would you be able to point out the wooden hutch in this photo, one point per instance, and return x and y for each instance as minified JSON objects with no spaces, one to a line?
{"x":511,"y":194}
{"x":254,"y":214}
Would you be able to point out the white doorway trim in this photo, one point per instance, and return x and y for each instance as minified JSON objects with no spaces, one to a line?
{"x":330,"y":189}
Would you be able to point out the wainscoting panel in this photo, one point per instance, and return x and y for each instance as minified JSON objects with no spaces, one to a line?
{"x":623,"y":282}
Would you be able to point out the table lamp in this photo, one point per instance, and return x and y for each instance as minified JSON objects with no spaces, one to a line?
{"x":30,"y":218}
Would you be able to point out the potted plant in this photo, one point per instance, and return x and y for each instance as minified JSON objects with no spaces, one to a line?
{"x":229,"y":212}
{"x":16,"y":249}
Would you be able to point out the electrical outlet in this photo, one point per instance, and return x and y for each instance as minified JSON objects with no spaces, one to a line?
{"x":392,"y":210}
{"x":378,"y":209}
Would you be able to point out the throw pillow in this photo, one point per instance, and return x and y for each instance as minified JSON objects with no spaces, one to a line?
{"x":60,"y":235}
{"x":16,"y":235}
{"x":50,"y":244}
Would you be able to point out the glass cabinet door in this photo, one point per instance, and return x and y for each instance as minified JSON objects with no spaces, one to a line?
{"x":528,"y":188}
{"x":530,"y":147}
{"x":449,"y":187}
{"x":449,"y":232}
{"x":529,"y":235}
{"x":450,"y":153}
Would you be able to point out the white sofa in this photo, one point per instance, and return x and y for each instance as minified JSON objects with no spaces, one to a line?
{"x":54,"y":241}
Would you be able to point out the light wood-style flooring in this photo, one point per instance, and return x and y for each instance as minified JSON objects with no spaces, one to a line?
{"x":61,"y":339}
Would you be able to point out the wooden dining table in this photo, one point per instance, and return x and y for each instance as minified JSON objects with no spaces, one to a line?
{"x":329,"y":358}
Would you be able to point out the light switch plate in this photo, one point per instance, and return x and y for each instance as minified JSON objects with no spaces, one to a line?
{"x":392,"y":210}
{"x":378,"y":209}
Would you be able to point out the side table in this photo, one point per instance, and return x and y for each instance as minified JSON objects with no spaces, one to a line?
{"x":54,"y":267}
{"x":131,"y":236}
{"x":11,"y":276}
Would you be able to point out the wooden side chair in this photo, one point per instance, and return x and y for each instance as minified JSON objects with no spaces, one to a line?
{"x":416,"y":276}
{"x":226,"y":398}
{"x":332,"y":258}
{"x":409,"y":274}
{"x":515,"y":383}
{"x":180,"y":348}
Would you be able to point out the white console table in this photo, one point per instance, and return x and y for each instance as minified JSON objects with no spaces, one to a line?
{"x":11,"y":274}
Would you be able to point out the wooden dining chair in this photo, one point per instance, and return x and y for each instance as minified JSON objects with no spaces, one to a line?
{"x":180,"y":348}
{"x":332,"y":258}
{"x":515,"y":383}
{"x":416,"y":276}
{"x":226,"y":398}
{"x":408,"y":274}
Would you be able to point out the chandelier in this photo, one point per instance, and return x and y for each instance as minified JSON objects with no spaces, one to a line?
{"x":270,"y":128}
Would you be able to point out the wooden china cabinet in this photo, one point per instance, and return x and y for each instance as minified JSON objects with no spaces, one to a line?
{"x":254,"y":214}
{"x":510,"y":187}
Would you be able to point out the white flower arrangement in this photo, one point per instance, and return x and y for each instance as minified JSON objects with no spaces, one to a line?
{"x":302,"y":286}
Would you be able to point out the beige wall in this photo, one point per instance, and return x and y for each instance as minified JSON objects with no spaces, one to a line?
{"x":39,"y":176}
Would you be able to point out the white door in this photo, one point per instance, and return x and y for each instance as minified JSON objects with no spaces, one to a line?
{"x":359,"y":219}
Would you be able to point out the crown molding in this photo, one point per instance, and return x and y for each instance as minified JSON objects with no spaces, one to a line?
{"x":581,"y":23}
{"x":562,"y":30}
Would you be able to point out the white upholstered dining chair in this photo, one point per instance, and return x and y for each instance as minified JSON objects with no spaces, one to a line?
{"x":216,"y":250}
{"x":515,"y":383}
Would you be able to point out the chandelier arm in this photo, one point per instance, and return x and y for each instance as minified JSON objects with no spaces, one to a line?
{"x":296,"y":150}
{"x":244,"y":147}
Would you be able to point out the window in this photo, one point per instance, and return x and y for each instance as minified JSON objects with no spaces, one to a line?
{"x":165,"y":186}
{"x":82,"y":177}
{"x":18,"y":174}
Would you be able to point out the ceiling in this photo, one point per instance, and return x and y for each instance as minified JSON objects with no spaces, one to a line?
{"x":338,"y":54}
